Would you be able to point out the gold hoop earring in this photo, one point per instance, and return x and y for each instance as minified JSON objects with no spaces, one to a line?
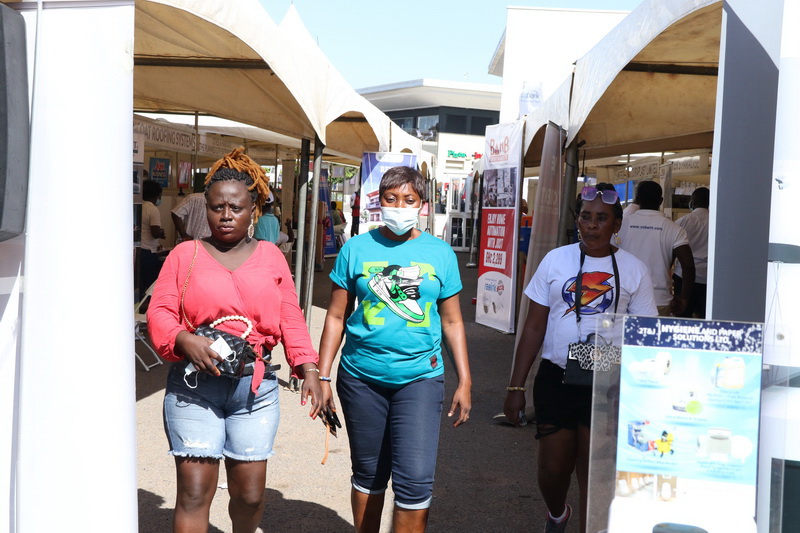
{"x":251,"y":230}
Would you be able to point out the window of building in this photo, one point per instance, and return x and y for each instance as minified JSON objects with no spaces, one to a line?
{"x":456,"y":123}
{"x":428,"y":127}
{"x":478,"y":125}
{"x":407,"y":123}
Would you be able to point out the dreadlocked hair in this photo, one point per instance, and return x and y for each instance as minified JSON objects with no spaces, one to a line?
{"x":238,"y":166}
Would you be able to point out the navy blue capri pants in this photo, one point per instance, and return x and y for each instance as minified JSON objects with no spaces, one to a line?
{"x":393,"y":433}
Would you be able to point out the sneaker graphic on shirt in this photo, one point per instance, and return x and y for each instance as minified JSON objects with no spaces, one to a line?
{"x":398,"y":288}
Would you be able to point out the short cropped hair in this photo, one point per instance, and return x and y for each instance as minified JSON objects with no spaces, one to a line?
{"x":151,"y":190}
{"x":701,"y":197}
{"x":399,"y":176}
{"x":649,"y":194}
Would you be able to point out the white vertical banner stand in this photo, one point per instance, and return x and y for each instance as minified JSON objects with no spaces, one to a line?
{"x":497,"y":261}
{"x":76,"y":465}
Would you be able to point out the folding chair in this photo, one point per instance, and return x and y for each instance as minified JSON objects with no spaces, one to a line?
{"x":140,"y":322}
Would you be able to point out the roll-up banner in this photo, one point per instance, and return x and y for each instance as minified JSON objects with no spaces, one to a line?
{"x":497,"y":263}
{"x":329,"y":242}
{"x":375,"y":164}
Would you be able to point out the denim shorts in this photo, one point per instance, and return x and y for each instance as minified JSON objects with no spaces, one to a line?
{"x":221,"y":417}
{"x":393,"y":433}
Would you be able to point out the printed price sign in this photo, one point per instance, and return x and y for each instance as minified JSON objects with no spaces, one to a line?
{"x":494,"y":259}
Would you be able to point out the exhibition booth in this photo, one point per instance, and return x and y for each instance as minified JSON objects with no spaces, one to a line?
{"x":690,"y":89}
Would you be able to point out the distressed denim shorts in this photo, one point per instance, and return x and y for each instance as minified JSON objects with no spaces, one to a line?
{"x":221,"y":417}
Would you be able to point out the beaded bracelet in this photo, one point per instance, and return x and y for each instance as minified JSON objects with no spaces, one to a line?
{"x":324,"y":378}
{"x":516,"y":389}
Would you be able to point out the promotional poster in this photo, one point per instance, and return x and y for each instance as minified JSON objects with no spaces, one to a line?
{"x":329,"y":242}
{"x":159,"y":170}
{"x":497,"y":263}
{"x":689,"y":404}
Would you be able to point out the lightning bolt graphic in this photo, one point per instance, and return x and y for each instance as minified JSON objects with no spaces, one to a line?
{"x":593,"y":288}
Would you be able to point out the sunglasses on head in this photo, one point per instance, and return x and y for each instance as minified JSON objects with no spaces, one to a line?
{"x":609,"y":197}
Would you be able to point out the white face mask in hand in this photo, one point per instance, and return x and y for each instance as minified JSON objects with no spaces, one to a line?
{"x":400,"y":220}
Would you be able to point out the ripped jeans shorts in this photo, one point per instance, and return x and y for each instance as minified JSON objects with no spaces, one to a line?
{"x":221,"y":417}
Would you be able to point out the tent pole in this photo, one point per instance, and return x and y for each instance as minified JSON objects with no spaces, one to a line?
{"x":565,"y":219}
{"x":305,"y":146}
{"x":194,"y":152}
{"x":312,"y":231}
{"x":476,"y":179}
{"x":276,"y":178}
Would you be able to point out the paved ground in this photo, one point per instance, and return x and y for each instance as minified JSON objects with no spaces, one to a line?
{"x":485,"y":478}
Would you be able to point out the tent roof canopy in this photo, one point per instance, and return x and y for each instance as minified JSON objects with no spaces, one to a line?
{"x":648,"y":86}
{"x":230,"y":60}
{"x":188,"y":57}
{"x":655,"y":94}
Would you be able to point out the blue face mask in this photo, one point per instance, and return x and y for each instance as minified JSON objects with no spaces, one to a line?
{"x":157,"y":202}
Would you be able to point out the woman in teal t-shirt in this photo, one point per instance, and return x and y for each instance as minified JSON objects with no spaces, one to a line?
{"x":391,"y":377}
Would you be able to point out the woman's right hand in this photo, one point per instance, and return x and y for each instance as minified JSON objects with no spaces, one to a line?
{"x":326,"y":400}
{"x":196,"y":350}
{"x":513,"y":406}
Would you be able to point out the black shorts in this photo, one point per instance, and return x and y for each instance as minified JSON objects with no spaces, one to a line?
{"x":559,"y":406}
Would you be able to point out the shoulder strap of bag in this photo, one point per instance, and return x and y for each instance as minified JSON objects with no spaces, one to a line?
{"x":186,"y":284}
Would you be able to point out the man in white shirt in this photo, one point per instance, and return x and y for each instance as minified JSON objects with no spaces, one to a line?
{"x":152,"y":232}
{"x":657,"y":241}
{"x":695,"y":224}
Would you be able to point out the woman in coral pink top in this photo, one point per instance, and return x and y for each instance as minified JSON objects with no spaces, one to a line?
{"x":242,"y":286}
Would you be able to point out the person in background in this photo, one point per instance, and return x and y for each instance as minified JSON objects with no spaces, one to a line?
{"x":612,"y":281}
{"x":152,"y":233}
{"x":391,"y":376}
{"x":323,"y":222}
{"x":190,"y":217}
{"x":242,"y":286}
{"x":631,"y":208}
{"x":355,"y":212}
{"x":657,"y":241}
{"x":695,"y":224}
{"x":339,"y":222}
{"x":268,"y":227}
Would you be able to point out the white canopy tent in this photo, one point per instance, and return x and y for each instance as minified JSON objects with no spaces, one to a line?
{"x":230,"y":60}
{"x":649,"y":85}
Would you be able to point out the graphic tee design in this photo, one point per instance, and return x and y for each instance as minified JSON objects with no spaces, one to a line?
{"x":393,"y":336}
{"x":597,"y":293}
{"x":554,"y":286}
{"x":398,"y":288}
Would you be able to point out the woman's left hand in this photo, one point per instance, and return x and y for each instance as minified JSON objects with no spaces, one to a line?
{"x":462,"y":400}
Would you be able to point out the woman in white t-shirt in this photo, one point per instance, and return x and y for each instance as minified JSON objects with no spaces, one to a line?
{"x":612,"y":280}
